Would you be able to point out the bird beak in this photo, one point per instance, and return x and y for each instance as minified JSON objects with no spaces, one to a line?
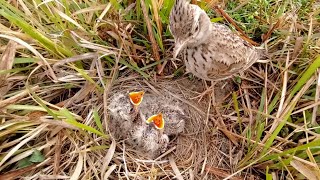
{"x":177,"y":48}
{"x":136,"y":98}
{"x":157,"y":120}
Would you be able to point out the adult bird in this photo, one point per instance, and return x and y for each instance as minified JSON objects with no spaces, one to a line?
{"x":210,"y":51}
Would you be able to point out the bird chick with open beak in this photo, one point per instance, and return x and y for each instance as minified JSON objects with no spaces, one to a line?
{"x":124,"y":112}
{"x":159,"y":141}
{"x":149,"y":138}
{"x":136,"y":99}
{"x":157,"y":121}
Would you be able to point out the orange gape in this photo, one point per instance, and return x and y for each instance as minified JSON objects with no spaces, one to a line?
{"x":157,"y":120}
{"x":136,"y":97}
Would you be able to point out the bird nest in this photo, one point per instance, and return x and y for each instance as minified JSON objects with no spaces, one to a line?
{"x":193,"y":153}
{"x":201,"y":151}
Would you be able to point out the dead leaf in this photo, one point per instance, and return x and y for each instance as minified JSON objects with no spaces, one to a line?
{"x":17,"y":97}
{"x":155,"y":48}
{"x":6,"y":63}
{"x":107,"y":159}
{"x":7,"y":58}
{"x":15,"y":173}
{"x":35,"y":115}
{"x":57,"y":155}
{"x":175,"y":168}
{"x":297,"y":47}
{"x":117,"y":37}
{"x":271,"y":29}
{"x":222,"y":128}
{"x":306,"y":170}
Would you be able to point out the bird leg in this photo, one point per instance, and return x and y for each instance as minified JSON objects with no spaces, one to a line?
{"x":207,"y":91}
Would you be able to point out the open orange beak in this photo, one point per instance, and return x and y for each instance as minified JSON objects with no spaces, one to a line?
{"x":157,"y":120}
{"x":136,"y":97}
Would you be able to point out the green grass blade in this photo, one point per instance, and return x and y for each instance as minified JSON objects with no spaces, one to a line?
{"x":236,"y":108}
{"x":268,"y":175}
{"x":39,"y":101}
{"x":312,"y":145}
{"x":88,"y":78}
{"x":306,"y":76}
{"x":86,"y":128}
{"x":34,"y":33}
{"x":97,"y":119}
{"x":303,"y":79}
{"x":64,"y":112}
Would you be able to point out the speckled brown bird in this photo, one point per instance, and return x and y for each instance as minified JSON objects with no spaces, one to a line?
{"x":211,"y":51}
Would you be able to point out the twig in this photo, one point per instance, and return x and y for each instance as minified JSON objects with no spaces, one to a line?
{"x":316,"y":99}
{"x":16,"y":173}
{"x":222,"y":127}
{"x":175,"y":168}
{"x":17,"y":97}
{"x":272,"y":28}
{"x":151,"y":36}
{"x":57,"y":154}
{"x":260,"y":19}
{"x":221,"y":173}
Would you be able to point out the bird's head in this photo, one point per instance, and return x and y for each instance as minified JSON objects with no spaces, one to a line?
{"x":157,"y":120}
{"x":136,"y":98}
{"x":189,"y":25}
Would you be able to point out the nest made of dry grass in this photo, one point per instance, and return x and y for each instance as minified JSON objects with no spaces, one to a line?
{"x":199,"y":144}
{"x":191,"y":154}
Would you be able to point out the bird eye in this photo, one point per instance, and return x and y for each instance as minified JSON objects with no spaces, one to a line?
{"x":197,"y":27}
{"x":131,"y":110}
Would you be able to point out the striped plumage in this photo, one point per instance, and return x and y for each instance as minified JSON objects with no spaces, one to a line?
{"x":211,"y":51}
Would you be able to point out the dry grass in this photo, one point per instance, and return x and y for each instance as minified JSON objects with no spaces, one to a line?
{"x":61,"y":61}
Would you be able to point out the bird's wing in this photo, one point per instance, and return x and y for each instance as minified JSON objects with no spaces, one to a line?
{"x":230,"y":53}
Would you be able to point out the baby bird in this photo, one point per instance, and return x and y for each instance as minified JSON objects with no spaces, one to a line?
{"x":135,"y":99}
{"x":122,"y":106}
{"x":124,"y":109}
{"x":157,"y":120}
{"x":211,"y":51}
{"x":172,"y":111}
{"x":146,"y":124}
{"x":150,"y":139}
